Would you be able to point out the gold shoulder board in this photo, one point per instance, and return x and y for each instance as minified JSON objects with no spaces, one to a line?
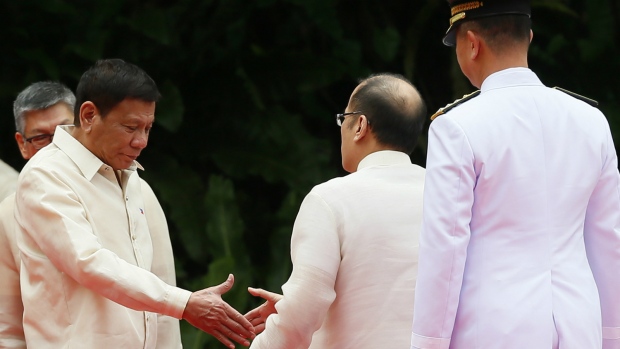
{"x":448,"y":107}
{"x":580,"y":97}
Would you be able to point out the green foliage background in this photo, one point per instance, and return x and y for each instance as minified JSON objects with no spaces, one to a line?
{"x":246,"y":126}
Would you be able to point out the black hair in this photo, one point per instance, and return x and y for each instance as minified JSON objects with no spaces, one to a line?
{"x":396,"y":115}
{"x":501,"y":32}
{"x":109,"y":81}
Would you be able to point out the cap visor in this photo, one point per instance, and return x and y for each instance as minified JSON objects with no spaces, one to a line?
{"x":450,"y":38}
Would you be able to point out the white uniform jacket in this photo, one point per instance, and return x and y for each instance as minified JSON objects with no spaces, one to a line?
{"x":520,"y":240}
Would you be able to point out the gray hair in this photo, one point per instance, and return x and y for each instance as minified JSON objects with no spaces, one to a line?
{"x":38,"y":96}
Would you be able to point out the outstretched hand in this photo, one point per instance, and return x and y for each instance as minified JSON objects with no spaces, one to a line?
{"x":207,"y":311}
{"x":258,"y":316}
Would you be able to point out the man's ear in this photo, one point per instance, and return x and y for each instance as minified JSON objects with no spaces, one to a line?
{"x":473,"y":42}
{"x":88,"y":113}
{"x":21,"y":144}
{"x":362,"y":128}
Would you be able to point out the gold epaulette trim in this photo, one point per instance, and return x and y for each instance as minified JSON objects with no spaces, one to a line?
{"x":590,"y":101}
{"x":448,"y":107}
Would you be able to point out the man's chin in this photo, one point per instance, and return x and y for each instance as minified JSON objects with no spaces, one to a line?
{"x":122,"y":165}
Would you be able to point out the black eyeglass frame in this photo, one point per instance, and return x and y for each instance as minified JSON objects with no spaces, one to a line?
{"x":340,"y":117}
{"x":39,"y":140}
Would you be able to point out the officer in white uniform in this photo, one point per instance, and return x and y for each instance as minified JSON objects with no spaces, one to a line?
{"x":520,"y":242}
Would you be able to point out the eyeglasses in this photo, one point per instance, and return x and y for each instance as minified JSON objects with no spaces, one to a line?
{"x":40,"y":141}
{"x":340,"y":117}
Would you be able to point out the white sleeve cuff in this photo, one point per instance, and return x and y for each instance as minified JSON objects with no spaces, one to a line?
{"x":176,"y":300}
{"x":611,"y":332}
{"x":421,"y":342}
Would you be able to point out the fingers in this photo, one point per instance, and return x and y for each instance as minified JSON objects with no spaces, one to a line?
{"x":233,"y":331}
{"x":238,"y":322}
{"x":255,"y":291}
{"x":266,"y":295}
{"x":220,"y":336}
{"x":257,"y":322}
{"x":236,"y":337}
{"x":232,"y":327}
{"x":255,"y":316}
{"x":259,"y":328}
{"x":225,"y":286}
{"x":252,"y":314}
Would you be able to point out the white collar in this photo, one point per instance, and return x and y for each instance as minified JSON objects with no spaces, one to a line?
{"x":384,"y":158}
{"x":88,"y":163}
{"x":510,"y":77}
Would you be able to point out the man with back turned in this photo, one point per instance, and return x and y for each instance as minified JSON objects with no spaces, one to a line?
{"x":520,"y":242}
{"x":355,"y":239}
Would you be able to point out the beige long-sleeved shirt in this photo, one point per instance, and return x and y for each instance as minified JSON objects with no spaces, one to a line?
{"x":354,"y":252}
{"x":8,"y":180}
{"x":86,"y":253}
{"x":11,"y":307}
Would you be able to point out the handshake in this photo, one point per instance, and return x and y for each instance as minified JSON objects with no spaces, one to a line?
{"x":206,"y":310}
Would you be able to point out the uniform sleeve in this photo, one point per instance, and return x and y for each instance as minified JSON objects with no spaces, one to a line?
{"x":602,"y":239}
{"x":448,"y":201}
{"x":54,"y":223}
{"x":309,"y":292}
{"x":168,"y":331}
{"x":11,"y":308}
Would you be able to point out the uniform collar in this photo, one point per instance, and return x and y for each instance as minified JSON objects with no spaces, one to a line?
{"x":86,"y":161}
{"x":384,"y":158}
{"x":509,"y":78}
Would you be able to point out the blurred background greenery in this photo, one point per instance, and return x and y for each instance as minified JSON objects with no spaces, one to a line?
{"x":250,"y":87}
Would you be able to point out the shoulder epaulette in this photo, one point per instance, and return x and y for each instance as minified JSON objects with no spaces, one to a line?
{"x":448,"y":107}
{"x":579,"y":97}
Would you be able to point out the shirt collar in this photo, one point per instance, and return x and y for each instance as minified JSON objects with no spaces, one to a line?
{"x":510,"y":77}
{"x":86,"y":161}
{"x":384,"y":158}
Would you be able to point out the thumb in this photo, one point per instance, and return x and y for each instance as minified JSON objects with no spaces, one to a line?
{"x":226,"y":285}
{"x":266,"y":295}
{"x":254,"y":291}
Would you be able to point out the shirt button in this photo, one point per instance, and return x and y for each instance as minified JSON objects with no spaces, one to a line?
{"x":133,"y":237}
{"x":126,"y":198}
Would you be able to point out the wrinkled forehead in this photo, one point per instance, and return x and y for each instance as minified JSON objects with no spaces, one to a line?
{"x":50,"y":117}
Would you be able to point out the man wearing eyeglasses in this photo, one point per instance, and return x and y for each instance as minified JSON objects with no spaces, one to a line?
{"x":38,"y":109}
{"x":355,"y":238}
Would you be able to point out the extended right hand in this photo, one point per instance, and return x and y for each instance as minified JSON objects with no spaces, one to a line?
{"x":259,"y":315}
{"x":207,"y":311}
